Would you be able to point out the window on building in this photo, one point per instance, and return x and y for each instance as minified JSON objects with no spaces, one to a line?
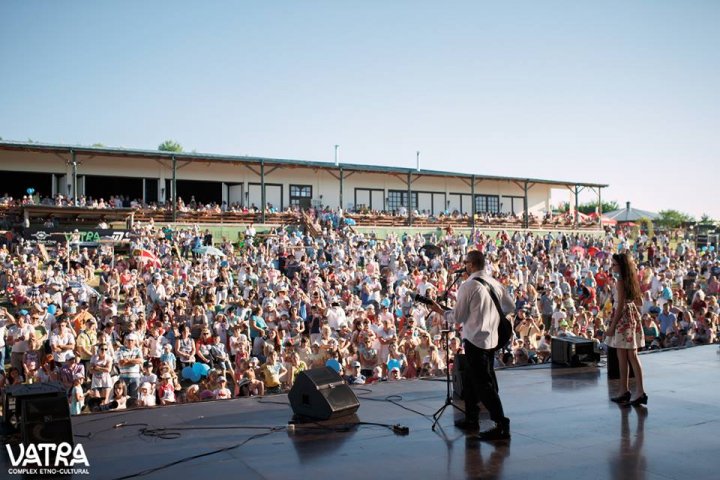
{"x":301,"y":195}
{"x":487,"y":203}
{"x":398,"y":198}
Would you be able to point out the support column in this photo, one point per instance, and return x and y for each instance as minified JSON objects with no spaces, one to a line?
{"x":162,"y":195}
{"x":53,"y":187}
{"x":144,"y":200}
{"x":473,"y":205}
{"x":526,"y":214}
{"x":409,"y":198}
{"x":577,"y":213}
{"x":74,"y":177}
{"x":173,"y":196}
{"x":341,"y":190}
{"x":600,"y":211}
{"x":262,"y":191}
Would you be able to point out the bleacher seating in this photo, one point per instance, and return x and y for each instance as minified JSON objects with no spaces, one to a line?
{"x":67,"y":215}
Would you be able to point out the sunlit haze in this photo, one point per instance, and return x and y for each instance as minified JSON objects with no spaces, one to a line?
{"x":617,"y":92}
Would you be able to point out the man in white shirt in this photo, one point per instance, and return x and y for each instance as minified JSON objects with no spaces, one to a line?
{"x":558,"y":317}
{"x":476,"y":311}
{"x":62,"y":342}
{"x":18,"y":336}
{"x":156,"y":291}
{"x":336,"y":317}
{"x":4,"y":320}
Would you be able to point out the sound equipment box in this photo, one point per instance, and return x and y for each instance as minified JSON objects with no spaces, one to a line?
{"x":458,"y":375}
{"x":613,"y":365}
{"x":39,"y":412}
{"x":573,"y":351}
{"x":322,"y":394}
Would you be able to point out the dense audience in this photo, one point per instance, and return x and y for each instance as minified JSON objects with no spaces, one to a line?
{"x":183,"y":318}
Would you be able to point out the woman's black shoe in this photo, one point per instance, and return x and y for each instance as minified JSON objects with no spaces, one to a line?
{"x":624,"y":398}
{"x":639,"y":401}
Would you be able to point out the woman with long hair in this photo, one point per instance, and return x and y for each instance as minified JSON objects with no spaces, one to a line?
{"x":625,"y":333}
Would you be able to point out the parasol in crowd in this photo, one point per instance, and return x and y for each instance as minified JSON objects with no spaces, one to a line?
{"x":145,"y":256}
{"x":212,"y":251}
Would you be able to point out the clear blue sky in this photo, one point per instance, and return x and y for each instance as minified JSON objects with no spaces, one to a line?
{"x":618,"y":92}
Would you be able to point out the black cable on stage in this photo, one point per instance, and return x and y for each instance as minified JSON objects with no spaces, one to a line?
{"x":346,"y":427}
{"x":200,"y":455}
{"x":394,"y":399}
{"x":275,"y":403}
{"x":173,"y":433}
{"x":356,"y":389}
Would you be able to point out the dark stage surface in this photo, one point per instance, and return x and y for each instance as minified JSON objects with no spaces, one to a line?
{"x":563,"y":427}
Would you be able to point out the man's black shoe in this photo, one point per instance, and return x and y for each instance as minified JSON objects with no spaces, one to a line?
{"x":501,"y":431}
{"x":468,"y":425}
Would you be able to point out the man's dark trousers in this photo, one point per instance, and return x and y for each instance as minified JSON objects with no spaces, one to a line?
{"x":480,"y":384}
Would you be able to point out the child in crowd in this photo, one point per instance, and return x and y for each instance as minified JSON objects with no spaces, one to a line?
{"x":77,"y":396}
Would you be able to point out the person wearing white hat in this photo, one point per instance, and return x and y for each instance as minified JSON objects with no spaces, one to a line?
{"x":355,"y":377}
{"x":146,"y":396}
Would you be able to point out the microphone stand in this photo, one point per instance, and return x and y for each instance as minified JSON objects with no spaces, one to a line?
{"x":448,"y":390}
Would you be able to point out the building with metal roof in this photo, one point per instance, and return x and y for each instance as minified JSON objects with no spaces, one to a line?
{"x":158,"y":176}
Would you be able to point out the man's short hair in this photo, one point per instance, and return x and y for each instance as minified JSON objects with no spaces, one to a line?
{"x":476,"y":258}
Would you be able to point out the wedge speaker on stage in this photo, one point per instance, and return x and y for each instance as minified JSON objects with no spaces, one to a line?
{"x":46,"y":420}
{"x":39,"y":412}
{"x":322,"y":394}
{"x":573,"y":351}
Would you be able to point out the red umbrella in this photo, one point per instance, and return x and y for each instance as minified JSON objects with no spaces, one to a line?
{"x":577,"y":250}
{"x":592,"y":251}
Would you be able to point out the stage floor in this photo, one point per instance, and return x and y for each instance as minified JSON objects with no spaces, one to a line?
{"x":563,"y":427}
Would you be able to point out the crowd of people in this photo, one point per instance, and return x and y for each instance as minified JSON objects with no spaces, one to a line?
{"x":183,"y":323}
{"x":194,"y":206}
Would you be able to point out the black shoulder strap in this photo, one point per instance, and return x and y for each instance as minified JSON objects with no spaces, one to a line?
{"x":494,"y":297}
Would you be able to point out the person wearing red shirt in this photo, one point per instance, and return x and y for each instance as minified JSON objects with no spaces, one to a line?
{"x":601,"y":278}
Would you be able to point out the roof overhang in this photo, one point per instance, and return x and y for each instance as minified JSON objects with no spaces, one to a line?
{"x":252,"y":160}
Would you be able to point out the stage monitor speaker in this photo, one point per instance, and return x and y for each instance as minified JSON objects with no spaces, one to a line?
{"x":39,"y":412}
{"x":322,"y":394}
{"x":573,"y":351}
{"x":46,"y":420}
{"x":15,"y":395}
